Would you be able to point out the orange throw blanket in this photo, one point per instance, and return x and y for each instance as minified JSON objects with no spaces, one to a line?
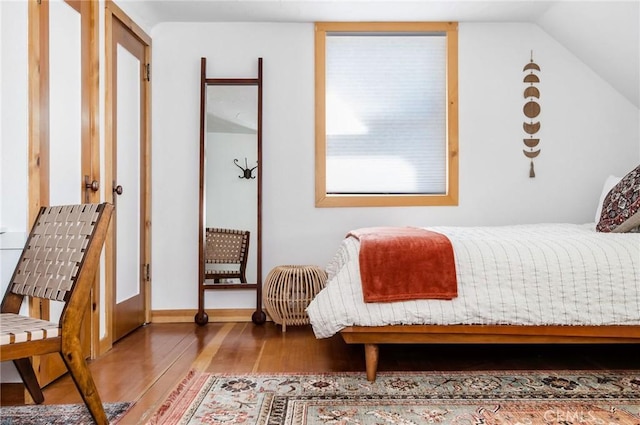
{"x":405,"y":263}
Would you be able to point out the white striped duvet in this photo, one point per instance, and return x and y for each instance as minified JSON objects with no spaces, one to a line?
{"x":561,"y":274}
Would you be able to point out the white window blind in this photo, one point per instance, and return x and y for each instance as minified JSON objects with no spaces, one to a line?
{"x":386,"y":112}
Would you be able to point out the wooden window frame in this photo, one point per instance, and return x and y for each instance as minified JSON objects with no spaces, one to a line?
{"x":450,"y":197}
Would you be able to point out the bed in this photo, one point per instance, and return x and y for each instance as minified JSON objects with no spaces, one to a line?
{"x":536,"y":283}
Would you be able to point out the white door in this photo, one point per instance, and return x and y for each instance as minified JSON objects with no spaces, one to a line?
{"x":128,"y":179}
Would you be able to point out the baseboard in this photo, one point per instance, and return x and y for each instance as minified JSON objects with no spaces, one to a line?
{"x":12,"y":393}
{"x":215,"y":315}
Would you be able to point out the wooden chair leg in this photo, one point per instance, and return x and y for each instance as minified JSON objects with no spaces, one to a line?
{"x":81,"y":375}
{"x":25,"y":369}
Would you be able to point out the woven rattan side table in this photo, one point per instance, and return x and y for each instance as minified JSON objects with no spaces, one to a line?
{"x":288,"y":290}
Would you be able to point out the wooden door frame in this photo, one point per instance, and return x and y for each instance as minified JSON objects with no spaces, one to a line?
{"x":39,"y":136}
{"x":113,"y":12}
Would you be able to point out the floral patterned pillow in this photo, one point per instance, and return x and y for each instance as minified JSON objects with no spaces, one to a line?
{"x":621,"y":207}
{"x":608,"y":185}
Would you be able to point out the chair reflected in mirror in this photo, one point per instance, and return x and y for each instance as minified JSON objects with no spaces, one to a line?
{"x":226,"y":254}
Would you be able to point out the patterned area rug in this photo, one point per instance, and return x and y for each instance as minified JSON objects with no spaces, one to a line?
{"x":58,"y":414}
{"x":462,"y":398}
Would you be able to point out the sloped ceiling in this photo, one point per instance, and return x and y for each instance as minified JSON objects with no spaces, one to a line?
{"x":603,"y":34}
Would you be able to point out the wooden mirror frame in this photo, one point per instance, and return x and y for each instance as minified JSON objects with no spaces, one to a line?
{"x":259,"y":316}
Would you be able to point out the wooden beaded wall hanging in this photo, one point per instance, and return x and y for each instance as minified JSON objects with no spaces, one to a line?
{"x":531,"y":110}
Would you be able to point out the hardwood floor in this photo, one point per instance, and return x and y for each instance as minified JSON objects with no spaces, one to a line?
{"x":146,"y":365}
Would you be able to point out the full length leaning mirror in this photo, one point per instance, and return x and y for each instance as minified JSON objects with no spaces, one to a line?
{"x":230,"y":226}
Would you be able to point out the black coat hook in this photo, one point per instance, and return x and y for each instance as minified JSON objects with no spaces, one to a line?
{"x":246,"y":171}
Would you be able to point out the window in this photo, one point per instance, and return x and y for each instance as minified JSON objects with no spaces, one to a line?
{"x":386,"y":114}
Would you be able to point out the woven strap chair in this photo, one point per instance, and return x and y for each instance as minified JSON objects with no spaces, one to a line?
{"x":226,"y":247}
{"x":59,"y":262}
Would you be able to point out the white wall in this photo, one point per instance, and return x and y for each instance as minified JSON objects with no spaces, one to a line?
{"x":605,"y":35}
{"x":14,"y":116}
{"x":2,"y":36}
{"x":588,"y":132}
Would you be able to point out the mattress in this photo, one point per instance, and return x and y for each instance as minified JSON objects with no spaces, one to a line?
{"x":542,"y":274}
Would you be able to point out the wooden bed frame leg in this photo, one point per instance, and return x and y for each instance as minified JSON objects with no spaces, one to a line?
{"x":371,"y":360}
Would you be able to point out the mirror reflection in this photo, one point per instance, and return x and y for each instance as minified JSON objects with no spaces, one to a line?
{"x":231,"y":184}
{"x":230,"y":227}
